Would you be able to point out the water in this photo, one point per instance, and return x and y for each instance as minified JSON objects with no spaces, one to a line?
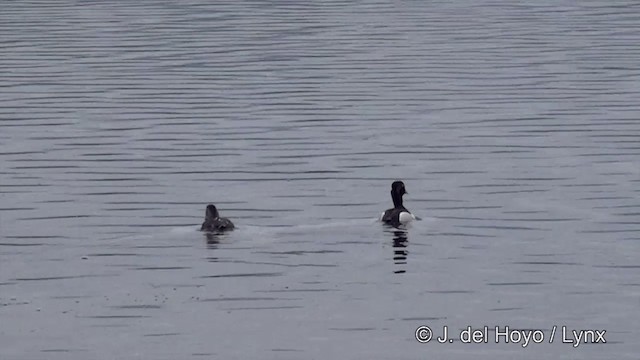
{"x":514,"y":126}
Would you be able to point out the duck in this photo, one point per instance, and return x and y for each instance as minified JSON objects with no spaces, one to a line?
{"x":213,"y":221}
{"x":398,"y":214}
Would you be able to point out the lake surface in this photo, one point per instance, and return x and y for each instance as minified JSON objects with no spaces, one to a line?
{"x":514,"y":126}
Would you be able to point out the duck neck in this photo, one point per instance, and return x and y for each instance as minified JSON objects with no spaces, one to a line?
{"x":397,"y":200}
{"x":211,"y":215}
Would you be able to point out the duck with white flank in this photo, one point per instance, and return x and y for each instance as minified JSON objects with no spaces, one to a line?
{"x":398,"y":214}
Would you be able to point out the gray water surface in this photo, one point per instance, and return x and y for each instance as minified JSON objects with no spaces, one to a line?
{"x":514,"y":126}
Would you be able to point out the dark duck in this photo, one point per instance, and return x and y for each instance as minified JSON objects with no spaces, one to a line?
{"x":213,"y":222}
{"x":398,"y":214}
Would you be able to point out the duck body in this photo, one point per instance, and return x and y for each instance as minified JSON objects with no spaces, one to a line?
{"x":397,"y":215}
{"x":214,"y":223}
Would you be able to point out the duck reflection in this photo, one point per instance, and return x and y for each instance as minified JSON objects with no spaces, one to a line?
{"x":213,"y":239}
{"x":400,"y":248}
